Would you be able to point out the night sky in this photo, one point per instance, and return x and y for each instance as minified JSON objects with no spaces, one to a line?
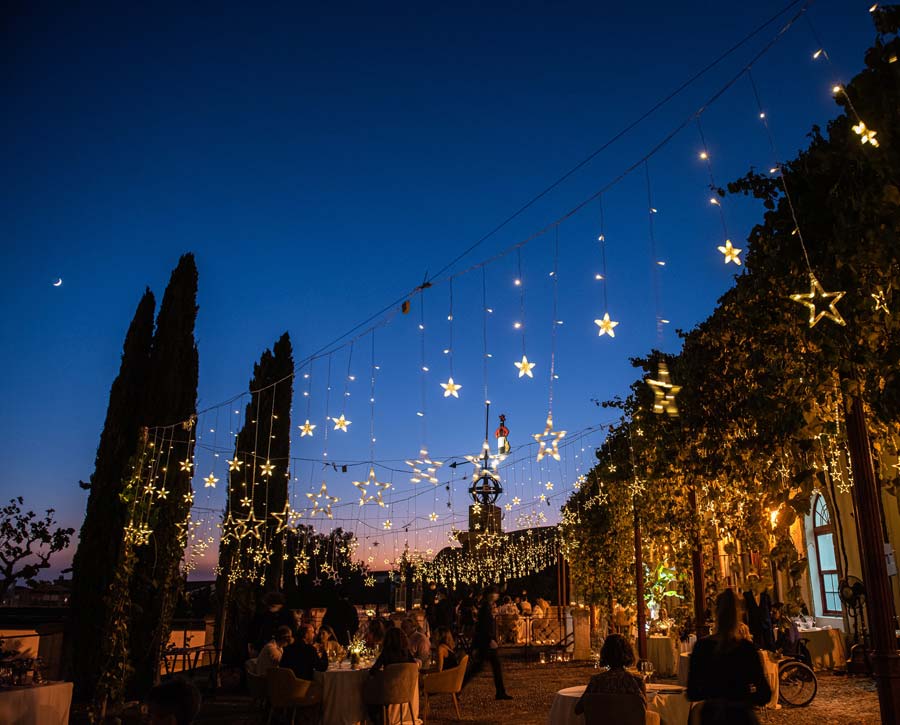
{"x":320,"y":161}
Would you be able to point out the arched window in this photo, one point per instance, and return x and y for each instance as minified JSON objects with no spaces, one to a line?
{"x":823,"y":530}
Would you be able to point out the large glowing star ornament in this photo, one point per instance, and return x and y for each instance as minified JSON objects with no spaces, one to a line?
{"x":210,"y":481}
{"x":423,"y":468}
{"x":187,"y":465}
{"x":606,"y":325}
{"x":341,"y":423}
{"x":234,"y":464}
{"x":818,"y":295}
{"x":525,"y":367}
{"x":267,"y":468}
{"x":451,"y":388}
{"x":307,"y":428}
{"x":322,"y":501}
{"x":732,"y":253}
{"x":664,"y":392}
{"x":553,"y":437}
{"x":363,"y":486}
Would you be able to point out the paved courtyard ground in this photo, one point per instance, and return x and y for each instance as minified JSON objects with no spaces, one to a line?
{"x":840,"y":700}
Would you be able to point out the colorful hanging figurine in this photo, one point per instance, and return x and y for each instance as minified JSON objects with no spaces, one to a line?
{"x":502,"y":436}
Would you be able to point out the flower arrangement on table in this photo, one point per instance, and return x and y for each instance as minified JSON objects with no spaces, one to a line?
{"x":357,"y":650}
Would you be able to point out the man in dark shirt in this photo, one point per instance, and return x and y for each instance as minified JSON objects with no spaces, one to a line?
{"x":484,"y":644}
{"x":304,"y":657}
{"x":343,"y":619}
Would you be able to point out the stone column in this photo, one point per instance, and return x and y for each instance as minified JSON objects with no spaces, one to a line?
{"x":581,"y":626}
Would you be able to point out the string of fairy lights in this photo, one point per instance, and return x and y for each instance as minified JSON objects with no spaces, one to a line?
{"x":253,"y":472}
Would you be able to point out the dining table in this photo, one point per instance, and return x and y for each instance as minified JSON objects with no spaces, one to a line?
{"x":666,"y":705}
{"x":826,"y":647}
{"x":342,"y":697}
{"x":46,"y":704}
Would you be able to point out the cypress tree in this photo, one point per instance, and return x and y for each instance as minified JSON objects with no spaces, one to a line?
{"x":170,"y":405}
{"x":250,"y":565}
{"x":105,"y":516}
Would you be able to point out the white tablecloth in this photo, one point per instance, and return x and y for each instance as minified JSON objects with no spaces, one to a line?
{"x":662,"y":652}
{"x":826,"y":647}
{"x":42,"y":705}
{"x":663,"y":709}
{"x":342,"y":698}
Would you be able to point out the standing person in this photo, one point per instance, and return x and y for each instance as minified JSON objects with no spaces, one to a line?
{"x":343,"y":619}
{"x":443,"y":611}
{"x":484,"y":645}
{"x":758,"y":612}
{"x":267,"y":621}
{"x":726,"y":670}
{"x":305,"y":657}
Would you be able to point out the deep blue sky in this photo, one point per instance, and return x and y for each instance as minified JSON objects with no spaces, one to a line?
{"x":320,"y":160}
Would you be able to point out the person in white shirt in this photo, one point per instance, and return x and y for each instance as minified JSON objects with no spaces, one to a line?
{"x":270,"y":655}
{"x":419,"y":646}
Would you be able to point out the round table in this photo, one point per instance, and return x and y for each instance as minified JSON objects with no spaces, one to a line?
{"x":666,"y":705}
{"x":661,"y":651}
{"x":342,"y":697}
{"x":826,"y":647}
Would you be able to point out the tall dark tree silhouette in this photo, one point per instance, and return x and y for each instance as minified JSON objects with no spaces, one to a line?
{"x":101,"y":533}
{"x":171,"y":400}
{"x":252,"y":563}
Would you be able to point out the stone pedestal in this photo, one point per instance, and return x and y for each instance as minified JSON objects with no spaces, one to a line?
{"x":581,"y":625}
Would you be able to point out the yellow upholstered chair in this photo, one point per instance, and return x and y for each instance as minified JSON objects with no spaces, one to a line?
{"x":446,"y":682}
{"x":394,"y":685}
{"x":287,"y":692}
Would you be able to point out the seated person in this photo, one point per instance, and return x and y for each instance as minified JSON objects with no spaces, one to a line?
{"x":616,"y":654}
{"x":304,"y":657}
{"x":270,"y":655}
{"x":419,"y":646}
{"x":446,"y":649}
{"x":395,"y":650}
{"x":507,"y":607}
{"x":525,"y":606}
{"x":787,"y":636}
{"x":175,"y":702}
{"x":332,"y":648}
{"x":375,"y":634}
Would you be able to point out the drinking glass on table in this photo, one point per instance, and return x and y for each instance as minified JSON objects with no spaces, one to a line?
{"x":645,"y":667}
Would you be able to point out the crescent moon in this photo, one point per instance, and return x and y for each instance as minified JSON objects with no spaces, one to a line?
{"x":58,"y":282}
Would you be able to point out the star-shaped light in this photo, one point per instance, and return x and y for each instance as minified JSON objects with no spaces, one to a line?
{"x":476,"y":508}
{"x":322,"y":501}
{"x":525,"y":367}
{"x":369,"y":581}
{"x":423,"y":468}
{"x":267,"y":468}
{"x":606,"y":326}
{"x":164,"y":492}
{"x":732,"y":253}
{"x":543,"y":497}
{"x":189,"y":497}
{"x":187,"y":465}
{"x":432,"y":516}
{"x":817,"y":293}
{"x":451,"y":388}
{"x":554,"y":437}
{"x":664,"y":392}
{"x":307,"y":428}
{"x":246,"y":501}
{"x":282,"y":518}
{"x":341,"y":423}
{"x":210,"y":481}
{"x":866,"y":135}
{"x":387,"y":524}
{"x":611,"y":467}
{"x":317,"y":582}
{"x":253,"y":525}
{"x":508,"y":506}
{"x":363,"y":486}
{"x":516,"y":501}
{"x":880,"y":301}
{"x":548,"y":486}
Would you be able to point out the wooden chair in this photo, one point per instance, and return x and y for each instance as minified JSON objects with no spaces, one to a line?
{"x":394,"y":685}
{"x":287,"y":692}
{"x":446,"y":682}
{"x":617,"y":709}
